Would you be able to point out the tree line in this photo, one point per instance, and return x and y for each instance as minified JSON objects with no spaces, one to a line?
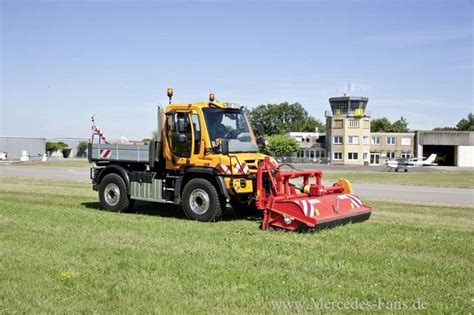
{"x":463,"y":125}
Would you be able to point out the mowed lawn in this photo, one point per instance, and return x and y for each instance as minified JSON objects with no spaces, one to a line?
{"x":59,"y":254}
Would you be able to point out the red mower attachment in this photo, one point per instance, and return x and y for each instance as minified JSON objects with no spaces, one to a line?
{"x":313,"y":205}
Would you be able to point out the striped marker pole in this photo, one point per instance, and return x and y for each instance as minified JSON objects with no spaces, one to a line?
{"x":98,"y":131}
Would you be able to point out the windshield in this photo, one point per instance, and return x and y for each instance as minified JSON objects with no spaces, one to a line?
{"x":232,"y":125}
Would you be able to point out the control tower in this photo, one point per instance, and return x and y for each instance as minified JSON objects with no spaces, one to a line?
{"x":348,"y":130}
{"x":348,"y":105}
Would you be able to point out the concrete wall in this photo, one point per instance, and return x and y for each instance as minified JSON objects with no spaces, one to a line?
{"x":464,"y":138}
{"x":398,"y":148}
{"x":345,"y":126}
{"x":14,"y":145}
{"x":465,"y":156}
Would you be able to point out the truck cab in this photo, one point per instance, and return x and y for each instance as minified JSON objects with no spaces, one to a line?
{"x":204,"y":157}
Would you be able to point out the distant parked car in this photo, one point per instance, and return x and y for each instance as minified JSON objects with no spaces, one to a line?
{"x":3,"y":155}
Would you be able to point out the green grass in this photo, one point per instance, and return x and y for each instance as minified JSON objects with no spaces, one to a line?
{"x":435,"y":179}
{"x":60,"y":254}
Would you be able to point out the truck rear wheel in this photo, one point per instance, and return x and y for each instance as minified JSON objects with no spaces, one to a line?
{"x":201,"y":201}
{"x":113,"y":194}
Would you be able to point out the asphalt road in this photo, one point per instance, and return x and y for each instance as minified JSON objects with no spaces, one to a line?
{"x":419,"y":194}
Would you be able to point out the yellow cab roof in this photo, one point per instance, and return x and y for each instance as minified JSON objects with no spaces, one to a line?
{"x":201,"y":105}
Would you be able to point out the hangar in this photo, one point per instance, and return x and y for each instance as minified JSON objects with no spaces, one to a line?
{"x":454,"y":148}
{"x":13,"y":146}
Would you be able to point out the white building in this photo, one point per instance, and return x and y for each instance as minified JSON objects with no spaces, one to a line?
{"x":311,"y":149}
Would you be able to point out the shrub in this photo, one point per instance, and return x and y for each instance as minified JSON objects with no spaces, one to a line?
{"x":55,"y":146}
{"x":82,"y":148}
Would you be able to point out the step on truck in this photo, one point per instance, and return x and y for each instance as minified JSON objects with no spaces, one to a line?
{"x":204,"y":157}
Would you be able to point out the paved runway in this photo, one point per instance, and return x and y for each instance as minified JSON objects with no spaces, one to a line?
{"x":420,"y":194}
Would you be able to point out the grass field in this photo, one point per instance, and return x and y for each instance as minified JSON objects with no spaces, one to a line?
{"x":59,"y":253}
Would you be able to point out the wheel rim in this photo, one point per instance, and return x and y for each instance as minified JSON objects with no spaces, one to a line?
{"x":199,"y":201}
{"x":112,"y":194}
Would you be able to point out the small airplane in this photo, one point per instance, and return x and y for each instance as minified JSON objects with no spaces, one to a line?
{"x":404,"y":164}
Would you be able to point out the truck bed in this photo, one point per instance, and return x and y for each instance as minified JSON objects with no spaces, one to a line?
{"x":119,"y":152}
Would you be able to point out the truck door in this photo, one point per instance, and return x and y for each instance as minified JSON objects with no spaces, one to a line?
{"x":179,"y":137}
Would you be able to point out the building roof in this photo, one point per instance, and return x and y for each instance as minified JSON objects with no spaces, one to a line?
{"x":347,"y":98}
{"x":16,"y":137}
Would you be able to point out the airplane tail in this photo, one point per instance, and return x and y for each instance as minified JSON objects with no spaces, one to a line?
{"x":430,"y":159}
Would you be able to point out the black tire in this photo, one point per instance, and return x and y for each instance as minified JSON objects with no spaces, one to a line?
{"x":113,"y":194}
{"x":201,"y":201}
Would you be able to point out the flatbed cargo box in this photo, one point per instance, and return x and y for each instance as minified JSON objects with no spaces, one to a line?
{"x":145,"y":153}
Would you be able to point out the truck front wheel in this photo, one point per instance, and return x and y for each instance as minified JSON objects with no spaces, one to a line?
{"x":201,"y":201}
{"x":113,"y":193}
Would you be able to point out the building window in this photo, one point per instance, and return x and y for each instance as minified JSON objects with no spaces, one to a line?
{"x":390,"y":155}
{"x":337,"y":140}
{"x":375,"y":140}
{"x":338,"y":124}
{"x":365,"y":156}
{"x":311,"y":154}
{"x":353,"y":139}
{"x":365,"y":140}
{"x":406,"y":141}
{"x":353,"y":123}
{"x":366,"y":124}
{"x":406,"y":155}
{"x":337,"y":155}
{"x":391,"y":140}
{"x":352,"y":155}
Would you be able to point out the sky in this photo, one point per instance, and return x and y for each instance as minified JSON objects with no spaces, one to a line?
{"x":63,"y":61}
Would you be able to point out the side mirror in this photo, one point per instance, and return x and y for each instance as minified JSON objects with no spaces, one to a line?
{"x":261,"y":141}
{"x":181,"y":125}
{"x":225,"y":146}
{"x":181,"y":138}
{"x":260,"y":128}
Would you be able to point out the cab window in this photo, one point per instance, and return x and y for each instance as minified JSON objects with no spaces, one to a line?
{"x":180,"y":140}
{"x":197,"y":133}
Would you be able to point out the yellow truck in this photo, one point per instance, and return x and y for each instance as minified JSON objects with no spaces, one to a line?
{"x":204,"y":157}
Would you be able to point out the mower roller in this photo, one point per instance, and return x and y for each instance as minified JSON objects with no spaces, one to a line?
{"x":312,"y":205}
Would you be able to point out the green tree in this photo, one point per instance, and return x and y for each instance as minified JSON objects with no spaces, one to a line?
{"x":311,"y":124}
{"x":463,"y":125}
{"x":384,"y":125}
{"x":444,"y":128}
{"x":54,"y":146}
{"x":282,"y":118}
{"x":380,"y":125}
{"x":466,"y":124}
{"x":280,"y":145}
{"x":400,"y":125}
{"x":82,"y":148}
